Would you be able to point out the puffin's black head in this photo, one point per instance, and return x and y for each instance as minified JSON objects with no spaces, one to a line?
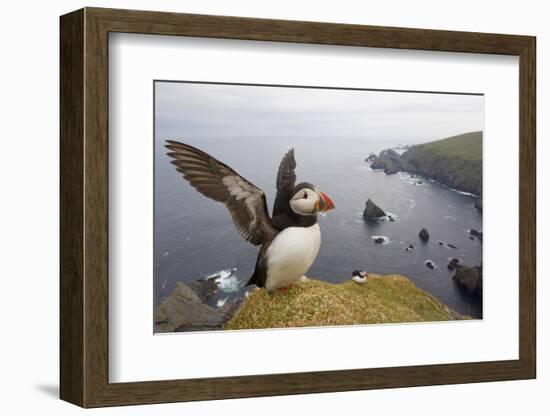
{"x":306,"y":199}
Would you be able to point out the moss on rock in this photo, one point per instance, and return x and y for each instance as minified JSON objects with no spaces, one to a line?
{"x":381,"y":299}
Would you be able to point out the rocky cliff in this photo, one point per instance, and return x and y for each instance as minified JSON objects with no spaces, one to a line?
{"x":455,"y":162}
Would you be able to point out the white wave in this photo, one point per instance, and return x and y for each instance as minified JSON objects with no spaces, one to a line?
{"x":453,"y":189}
{"x":386,"y":239}
{"x":227,"y":280}
{"x":463,"y":192}
{"x":432,"y":262}
{"x":166,"y":253}
{"x":413,"y":204}
{"x":221,"y":302}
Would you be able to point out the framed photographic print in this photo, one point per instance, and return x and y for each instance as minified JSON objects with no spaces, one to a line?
{"x":255,"y":207}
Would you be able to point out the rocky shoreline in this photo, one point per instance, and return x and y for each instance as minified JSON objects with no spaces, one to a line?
{"x":454,"y":162}
{"x":189,"y":307}
{"x":434,"y":161}
{"x":311,"y":302}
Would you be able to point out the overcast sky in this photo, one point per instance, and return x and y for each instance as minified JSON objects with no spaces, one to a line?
{"x":214,"y":110}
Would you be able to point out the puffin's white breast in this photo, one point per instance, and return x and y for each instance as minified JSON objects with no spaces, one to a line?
{"x":291,"y":254}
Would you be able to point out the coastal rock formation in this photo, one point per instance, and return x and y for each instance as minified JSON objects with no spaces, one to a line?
{"x":469,"y":279}
{"x":380,"y":299}
{"x":477,"y":234}
{"x":449,"y":245}
{"x":372,"y":211}
{"x":454,"y":263}
{"x":183,"y":310}
{"x":455,"y":162}
{"x":388,"y":160}
{"x":206,"y":289}
{"x":410,"y":247}
{"x":478,"y":204}
{"x":424,"y":235}
{"x":430,"y":264}
{"x":373,"y":160}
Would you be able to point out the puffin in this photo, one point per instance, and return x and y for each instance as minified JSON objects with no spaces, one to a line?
{"x":359,"y":276}
{"x":289,"y":239}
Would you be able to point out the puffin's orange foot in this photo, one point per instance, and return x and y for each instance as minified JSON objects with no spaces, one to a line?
{"x":286,"y":288}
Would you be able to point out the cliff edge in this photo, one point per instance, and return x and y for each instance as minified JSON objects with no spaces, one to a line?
{"x":381,"y":299}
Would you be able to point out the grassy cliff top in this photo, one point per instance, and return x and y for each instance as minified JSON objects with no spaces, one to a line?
{"x":381,"y":299}
{"x":467,"y":145}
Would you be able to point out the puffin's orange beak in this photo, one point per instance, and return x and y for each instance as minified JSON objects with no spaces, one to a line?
{"x":325,"y":203}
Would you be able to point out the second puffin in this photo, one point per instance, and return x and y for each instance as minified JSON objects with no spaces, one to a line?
{"x":289,"y":240}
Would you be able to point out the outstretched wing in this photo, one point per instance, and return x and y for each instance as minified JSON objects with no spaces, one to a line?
{"x":286,"y":180}
{"x":214,"y":179}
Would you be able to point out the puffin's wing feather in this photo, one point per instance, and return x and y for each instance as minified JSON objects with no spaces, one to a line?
{"x":214,"y":179}
{"x":286,"y":180}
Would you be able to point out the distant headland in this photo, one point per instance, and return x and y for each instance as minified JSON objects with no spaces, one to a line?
{"x":455,"y":162}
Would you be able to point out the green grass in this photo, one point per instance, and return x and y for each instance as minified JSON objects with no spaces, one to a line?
{"x":467,"y":146}
{"x":382,"y":299}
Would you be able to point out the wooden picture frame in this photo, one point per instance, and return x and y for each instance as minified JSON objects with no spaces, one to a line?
{"x":84,"y":207}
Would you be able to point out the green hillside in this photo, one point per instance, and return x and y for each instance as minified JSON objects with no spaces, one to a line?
{"x":467,"y":146}
{"x":455,"y":161}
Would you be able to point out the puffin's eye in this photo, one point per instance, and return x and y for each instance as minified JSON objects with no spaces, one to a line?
{"x":305,"y":195}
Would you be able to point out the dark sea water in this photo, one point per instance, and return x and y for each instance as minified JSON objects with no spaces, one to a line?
{"x":194,"y":236}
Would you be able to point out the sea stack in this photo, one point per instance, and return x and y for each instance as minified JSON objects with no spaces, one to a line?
{"x":454,"y":263}
{"x":430,"y":264}
{"x":469,"y":278}
{"x":477,"y":234}
{"x":372,"y":211}
{"x":424,"y":235}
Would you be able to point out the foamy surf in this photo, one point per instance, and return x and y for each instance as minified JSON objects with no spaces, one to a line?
{"x":431,"y":264}
{"x":383,"y":237}
{"x":227,"y":280}
{"x":221,"y":302}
